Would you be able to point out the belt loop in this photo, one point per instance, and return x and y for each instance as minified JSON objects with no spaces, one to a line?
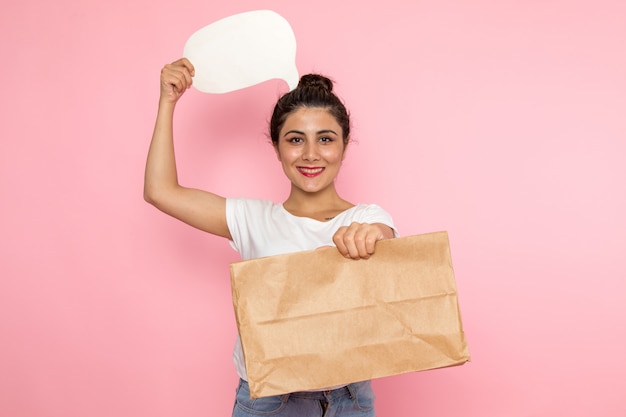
{"x":284,"y":398}
{"x":352,"y":391}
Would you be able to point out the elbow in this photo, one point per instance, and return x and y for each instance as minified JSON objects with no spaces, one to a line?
{"x":147,"y":198}
{"x":159,"y":196}
{"x":149,"y":195}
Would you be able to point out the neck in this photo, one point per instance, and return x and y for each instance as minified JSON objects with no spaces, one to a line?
{"x":302,"y":199}
{"x":321,"y":205}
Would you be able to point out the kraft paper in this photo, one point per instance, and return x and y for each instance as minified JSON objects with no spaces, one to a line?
{"x":314,"y":319}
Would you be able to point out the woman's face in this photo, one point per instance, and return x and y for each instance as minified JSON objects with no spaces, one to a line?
{"x":311,"y":148}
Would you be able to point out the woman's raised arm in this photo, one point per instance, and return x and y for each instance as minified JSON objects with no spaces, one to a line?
{"x":200,"y":209}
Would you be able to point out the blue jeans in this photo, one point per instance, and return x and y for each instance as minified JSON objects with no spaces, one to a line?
{"x":353,"y":400}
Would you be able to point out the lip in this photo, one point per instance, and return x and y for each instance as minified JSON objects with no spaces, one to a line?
{"x":310,"y":172}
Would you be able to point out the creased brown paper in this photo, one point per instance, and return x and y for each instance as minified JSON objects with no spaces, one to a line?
{"x":310,"y":320}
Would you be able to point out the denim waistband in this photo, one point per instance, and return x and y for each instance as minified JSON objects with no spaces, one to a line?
{"x":347,"y":390}
{"x":326,"y":395}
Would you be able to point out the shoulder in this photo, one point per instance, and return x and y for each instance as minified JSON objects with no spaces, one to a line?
{"x":250,"y":211}
{"x":370,"y":213}
{"x":248,"y":204}
{"x":361,"y":209}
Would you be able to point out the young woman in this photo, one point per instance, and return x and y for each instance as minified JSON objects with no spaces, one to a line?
{"x":310,"y":132}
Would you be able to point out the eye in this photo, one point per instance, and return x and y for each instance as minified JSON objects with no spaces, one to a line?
{"x":295,"y":139}
{"x":326,"y":139}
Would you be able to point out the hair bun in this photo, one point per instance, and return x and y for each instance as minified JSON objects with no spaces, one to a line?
{"x":316,"y":81}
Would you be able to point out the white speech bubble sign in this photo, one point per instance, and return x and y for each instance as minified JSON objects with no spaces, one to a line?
{"x":243,"y":50}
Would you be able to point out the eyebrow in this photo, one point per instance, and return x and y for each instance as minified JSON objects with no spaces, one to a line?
{"x":319,"y":132}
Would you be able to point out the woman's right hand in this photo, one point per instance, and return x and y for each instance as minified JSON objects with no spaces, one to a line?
{"x":176,"y":78}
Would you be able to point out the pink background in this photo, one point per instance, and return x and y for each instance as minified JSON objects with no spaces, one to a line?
{"x":502,"y":122}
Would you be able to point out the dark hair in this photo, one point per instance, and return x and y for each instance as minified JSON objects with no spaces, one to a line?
{"x":313,"y":90}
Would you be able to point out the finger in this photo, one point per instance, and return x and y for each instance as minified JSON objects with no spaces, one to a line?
{"x":370,"y":244}
{"x":179,"y":74}
{"x":187,"y":64}
{"x":175,"y":79}
{"x":338,"y":240}
{"x":350,"y":241}
{"x":184,"y":67}
{"x":374,"y":235}
{"x":364,"y":241}
{"x":186,"y":70}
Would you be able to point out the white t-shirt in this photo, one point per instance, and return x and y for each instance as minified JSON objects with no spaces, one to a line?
{"x":262,"y":228}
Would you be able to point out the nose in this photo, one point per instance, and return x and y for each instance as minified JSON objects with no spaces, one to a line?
{"x":310,"y":152}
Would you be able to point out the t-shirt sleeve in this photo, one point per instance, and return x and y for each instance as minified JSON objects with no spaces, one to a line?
{"x":239,"y":218}
{"x":372,"y":213}
{"x":232,"y":206}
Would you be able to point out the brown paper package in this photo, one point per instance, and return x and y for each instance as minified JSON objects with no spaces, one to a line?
{"x":314,"y":319}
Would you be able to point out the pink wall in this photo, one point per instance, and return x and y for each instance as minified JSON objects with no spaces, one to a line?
{"x":499,"y":121}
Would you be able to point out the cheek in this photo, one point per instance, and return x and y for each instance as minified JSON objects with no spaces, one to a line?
{"x":334,"y":155}
{"x":286,"y":156}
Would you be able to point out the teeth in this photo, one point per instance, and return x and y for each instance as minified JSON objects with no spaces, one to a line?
{"x":310,"y":170}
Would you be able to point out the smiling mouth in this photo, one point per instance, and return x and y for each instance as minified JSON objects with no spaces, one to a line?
{"x":310,"y":172}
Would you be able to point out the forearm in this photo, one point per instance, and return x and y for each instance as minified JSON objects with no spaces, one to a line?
{"x":161,"y":175}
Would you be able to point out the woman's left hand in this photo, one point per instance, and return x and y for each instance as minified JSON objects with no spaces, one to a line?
{"x":358,"y":241}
